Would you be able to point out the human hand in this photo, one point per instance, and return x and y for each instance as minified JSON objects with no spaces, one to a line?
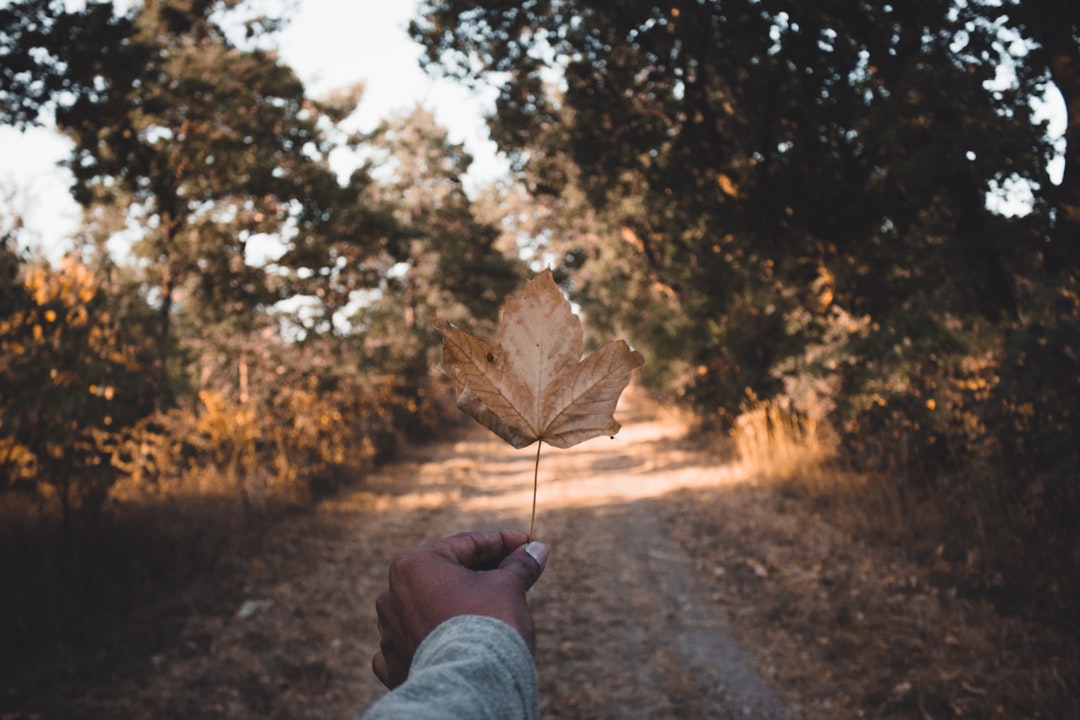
{"x":477,"y":573}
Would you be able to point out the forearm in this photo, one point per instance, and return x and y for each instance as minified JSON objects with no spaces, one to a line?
{"x":469,"y":667}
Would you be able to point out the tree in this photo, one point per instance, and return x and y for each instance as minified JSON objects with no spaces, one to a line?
{"x":762,"y":159}
{"x":800,"y":192}
{"x":204,"y":139}
{"x":1052,"y":31}
{"x":447,"y":260}
{"x":71,"y":372}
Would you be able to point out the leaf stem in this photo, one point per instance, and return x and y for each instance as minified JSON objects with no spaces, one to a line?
{"x":536,"y":476}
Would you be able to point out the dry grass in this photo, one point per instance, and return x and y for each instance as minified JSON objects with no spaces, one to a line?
{"x":774,"y":441}
{"x":1026,"y":663}
{"x":800,"y":452}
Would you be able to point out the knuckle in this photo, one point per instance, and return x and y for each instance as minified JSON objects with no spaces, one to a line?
{"x":403,"y":567}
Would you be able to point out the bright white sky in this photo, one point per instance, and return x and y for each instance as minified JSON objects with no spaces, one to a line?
{"x":333,"y":43}
{"x":330,"y":44}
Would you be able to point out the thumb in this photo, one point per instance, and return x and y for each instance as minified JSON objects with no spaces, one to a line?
{"x":526,"y":563}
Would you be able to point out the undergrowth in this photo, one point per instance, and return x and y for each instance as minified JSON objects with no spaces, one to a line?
{"x":961,"y":530}
{"x":963,"y":525}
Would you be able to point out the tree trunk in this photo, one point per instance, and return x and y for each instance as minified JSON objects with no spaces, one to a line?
{"x":168,"y":288}
{"x":1064,"y":250}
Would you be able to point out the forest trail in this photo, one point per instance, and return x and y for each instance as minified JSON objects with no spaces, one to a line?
{"x":676,"y":587}
{"x":625,"y":629}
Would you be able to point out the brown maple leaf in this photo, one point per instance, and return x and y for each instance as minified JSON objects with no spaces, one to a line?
{"x":532,"y":384}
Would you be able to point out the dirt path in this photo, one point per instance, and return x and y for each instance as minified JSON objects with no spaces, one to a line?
{"x":624,"y":625}
{"x":628,"y":630}
{"x":675,"y":588}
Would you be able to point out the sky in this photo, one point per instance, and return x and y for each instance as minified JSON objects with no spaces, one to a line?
{"x":330,"y":44}
{"x":333,"y":43}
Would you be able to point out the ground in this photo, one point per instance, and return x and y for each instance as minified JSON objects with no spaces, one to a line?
{"x":677,"y":587}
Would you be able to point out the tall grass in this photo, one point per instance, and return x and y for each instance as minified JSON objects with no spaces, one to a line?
{"x":773,"y":441}
{"x":801,"y":452}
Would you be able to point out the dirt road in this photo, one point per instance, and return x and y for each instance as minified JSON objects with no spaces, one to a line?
{"x":625,"y":628}
{"x":676,"y":588}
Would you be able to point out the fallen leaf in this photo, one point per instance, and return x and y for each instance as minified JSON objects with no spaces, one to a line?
{"x":532,"y":383}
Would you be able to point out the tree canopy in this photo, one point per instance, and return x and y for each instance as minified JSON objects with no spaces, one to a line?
{"x":273,"y":293}
{"x":804,"y":199}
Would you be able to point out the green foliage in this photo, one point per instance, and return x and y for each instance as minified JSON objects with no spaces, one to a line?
{"x":1031,"y":416}
{"x":764,"y":195}
{"x":798,"y":193}
{"x":742,"y":146}
{"x":204,"y":144}
{"x":266,"y":339}
{"x":454,"y":265}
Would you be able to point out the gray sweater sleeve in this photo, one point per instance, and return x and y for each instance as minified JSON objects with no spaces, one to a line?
{"x":469,"y":667}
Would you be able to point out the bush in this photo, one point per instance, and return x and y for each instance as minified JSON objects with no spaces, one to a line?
{"x":968,"y":430}
{"x":71,"y":373}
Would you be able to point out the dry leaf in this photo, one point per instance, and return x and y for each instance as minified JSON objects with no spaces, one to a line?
{"x":532,"y":383}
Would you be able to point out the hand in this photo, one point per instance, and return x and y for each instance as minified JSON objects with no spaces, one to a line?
{"x":478,"y":573}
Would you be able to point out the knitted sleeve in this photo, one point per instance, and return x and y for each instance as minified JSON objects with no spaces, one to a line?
{"x":468,"y":667}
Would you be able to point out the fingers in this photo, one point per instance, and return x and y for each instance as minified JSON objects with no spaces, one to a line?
{"x":537,"y":551}
{"x":378,"y":665}
{"x":388,"y":667}
{"x":387,"y":662}
{"x":526,"y":564}
{"x":482,"y":573}
{"x":482,"y":550}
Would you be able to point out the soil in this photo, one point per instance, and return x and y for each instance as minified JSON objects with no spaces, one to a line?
{"x":677,"y":587}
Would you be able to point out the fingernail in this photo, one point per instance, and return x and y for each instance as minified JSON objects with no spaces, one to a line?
{"x":538,"y":551}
